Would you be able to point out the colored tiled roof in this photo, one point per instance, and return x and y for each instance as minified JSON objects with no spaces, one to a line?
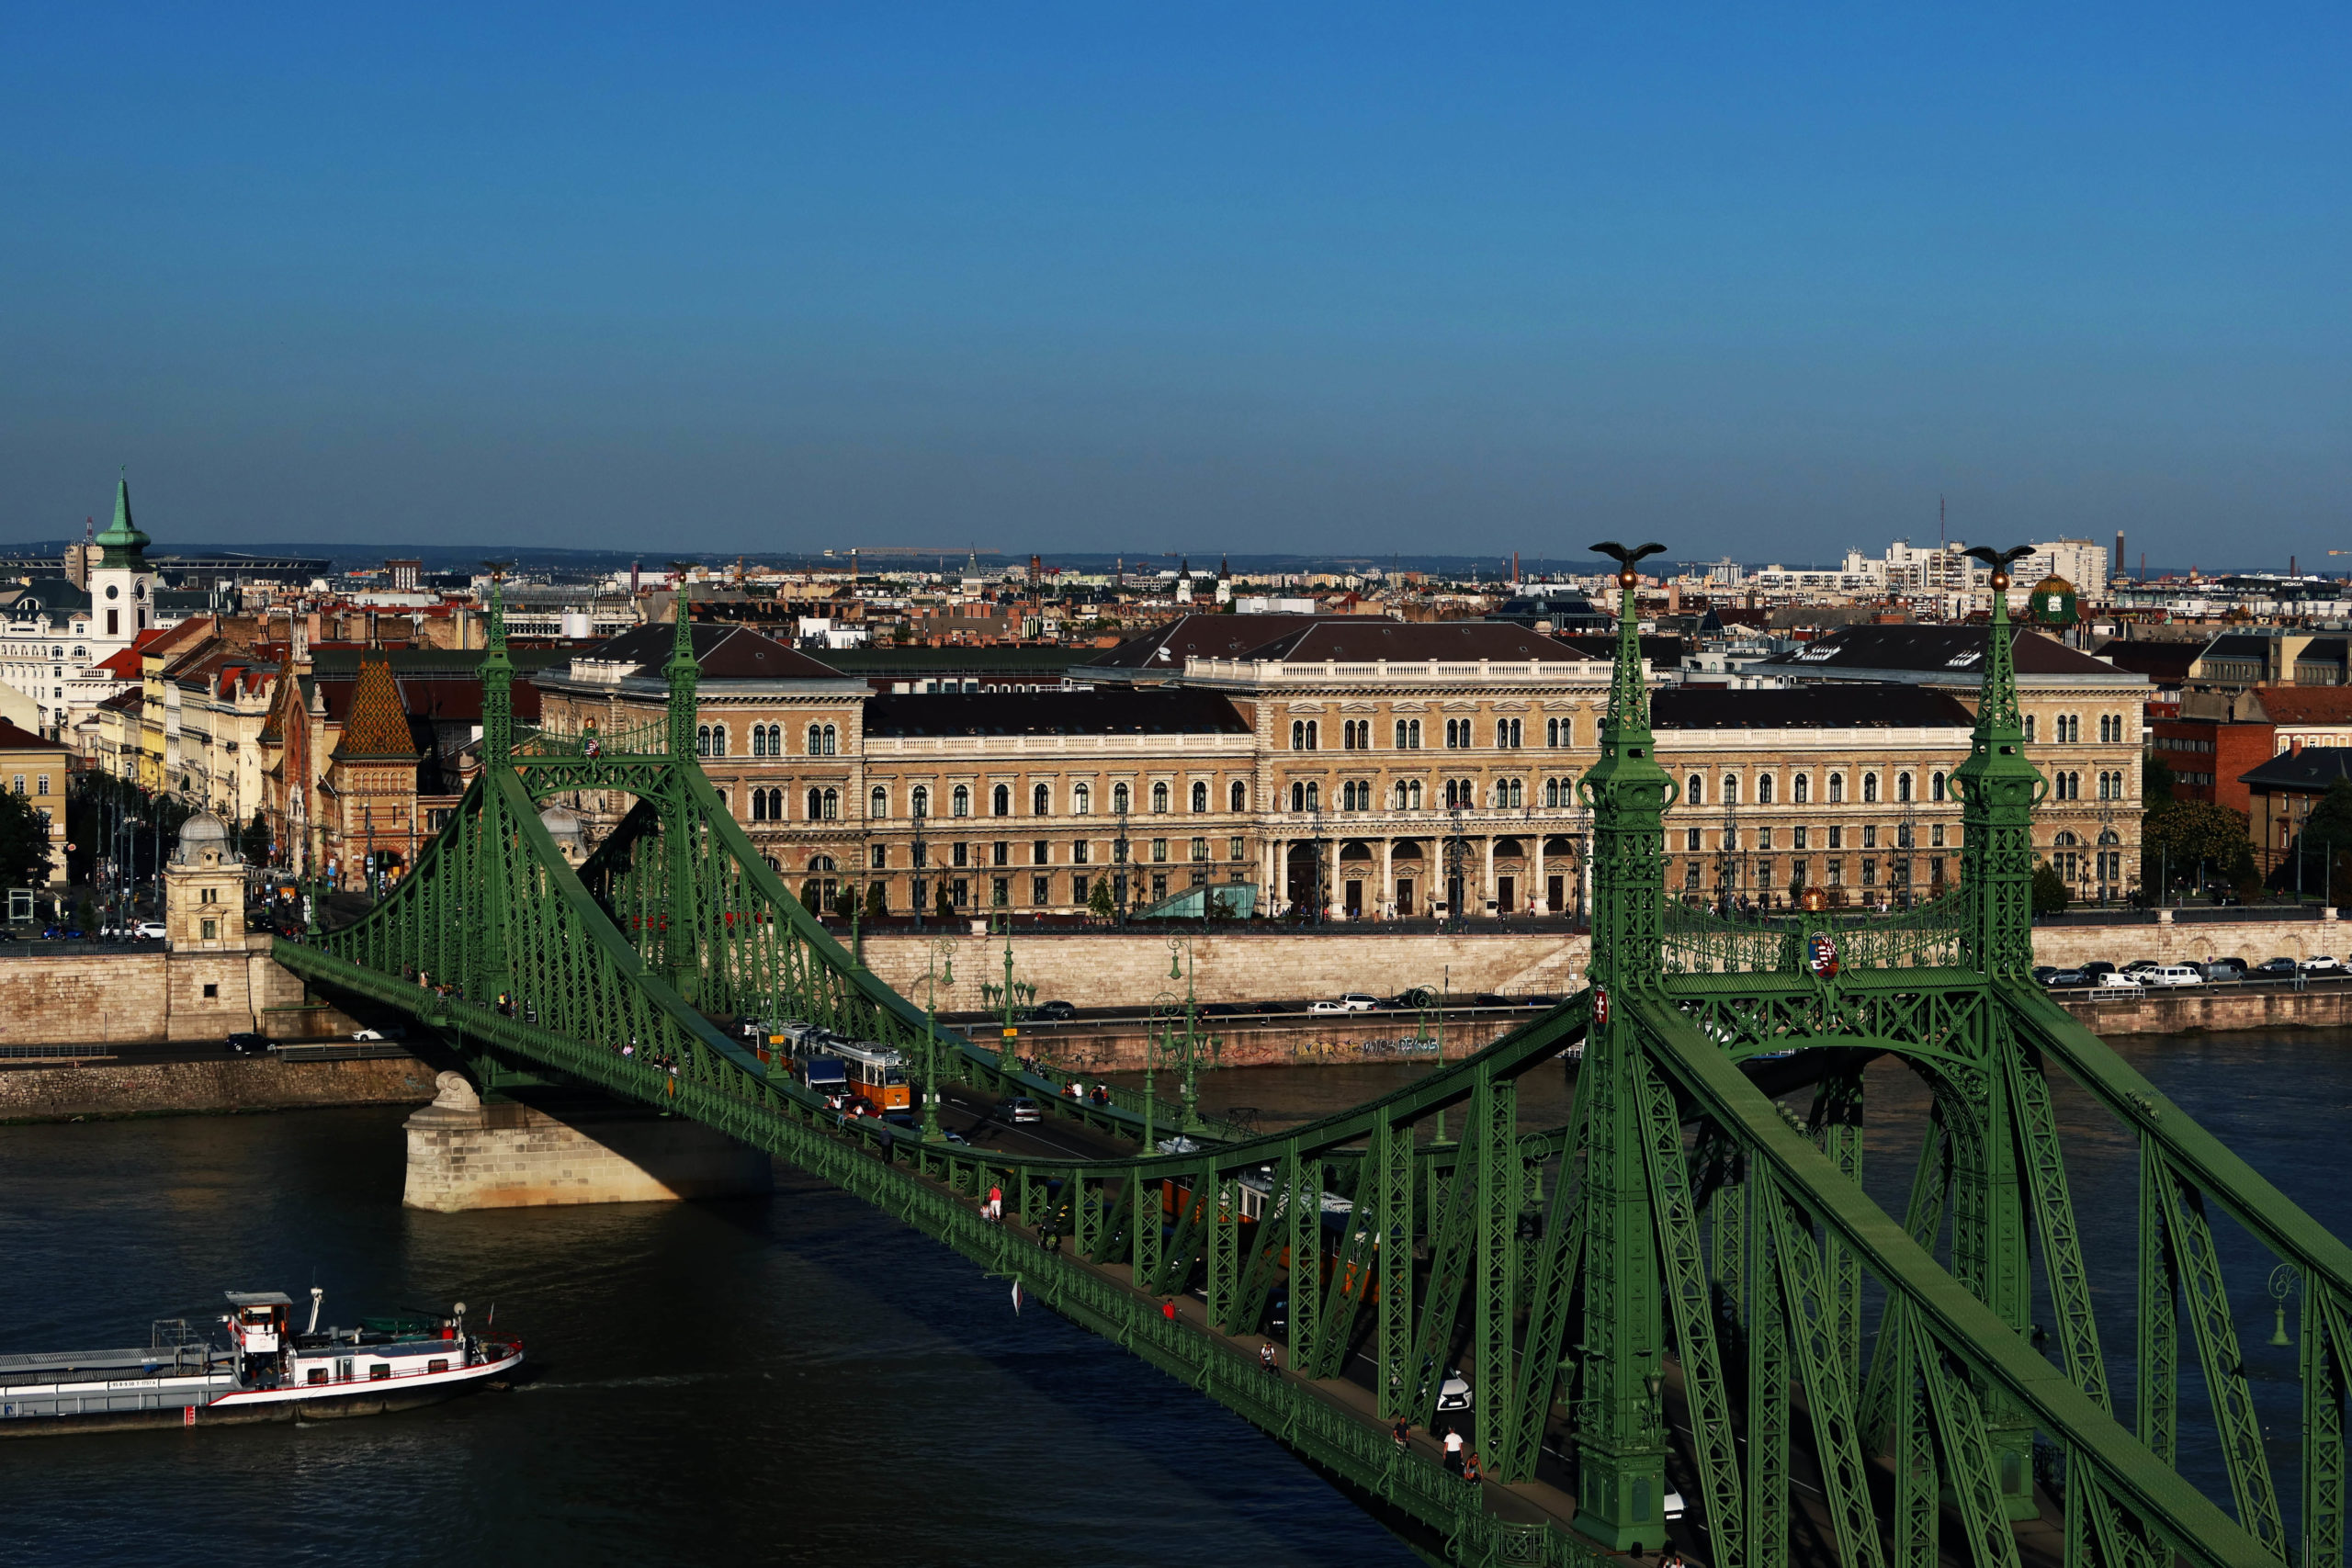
{"x":15,"y":737}
{"x":2306,"y":704}
{"x":376,"y":726}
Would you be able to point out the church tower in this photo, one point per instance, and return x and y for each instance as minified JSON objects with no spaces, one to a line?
{"x":122,"y":585}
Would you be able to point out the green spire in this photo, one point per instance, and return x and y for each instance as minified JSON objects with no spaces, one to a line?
{"x":683,"y":671}
{"x":1628,"y":792}
{"x":497,"y":682}
{"x":122,"y":541}
{"x":1999,"y":789}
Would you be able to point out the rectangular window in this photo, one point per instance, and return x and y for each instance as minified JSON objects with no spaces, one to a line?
{"x":1763,"y":838}
{"x":1690,"y":874}
{"x":1160,"y":848}
{"x":1936,"y":871}
{"x":1796,"y":874}
{"x":1836,"y":873}
{"x":1870,"y":838}
{"x":963,"y":854}
{"x":1041,"y":890}
{"x":959,"y":892}
{"x":379,"y":1371}
{"x":1158,"y":887}
{"x":1078,"y":889}
{"x":1797,"y":838}
{"x":437,"y":1364}
{"x":1764,"y":873}
{"x":1200,"y":849}
{"x":880,"y":859}
{"x":1080,"y":852}
{"x":1041,"y":854}
{"x":21,"y":784}
{"x":211,"y":934}
{"x":1234,"y":849}
{"x":316,"y":1374}
{"x":210,"y":895}
{"x":1936,"y":835}
{"x":1119,"y":851}
{"x":1837,"y":838}
{"x":1690,"y":845}
{"x":921,"y":856}
{"x":40,"y":785}
{"x":921,"y":895}
{"x":1870,"y":871}
{"x":999,"y":853}
{"x":211,"y":993}
{"x":1000,"y":891}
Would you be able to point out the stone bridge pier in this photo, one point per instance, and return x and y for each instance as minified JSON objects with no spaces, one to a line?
{"x":465,"y":1153}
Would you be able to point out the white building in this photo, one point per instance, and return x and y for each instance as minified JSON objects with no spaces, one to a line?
{"x":56,"y":636}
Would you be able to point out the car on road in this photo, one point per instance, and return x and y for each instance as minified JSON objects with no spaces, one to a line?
{"x":63,"y":934}
{"x":1454,"y":1394}
{"x":1415,"y":997}
{"x":1021,"y":1108}
{"x":246,"y":1044}
{"x":1222,"y":1009}
{"x":1673,"y":1504}
{"x":2322,"y":964}
{"x":2140,"y":964}
{"x":2098,"y":967}
{"x":1328,"y":1006}
{"x":2065,"y":979}
{"x":2273,"y":969}
{"x":2224,"y":968}
{"x":1054,"y":1012}
{"x":2111,"y":980}
{"x":149,"y":931}
{"x":2174,"y":974}
{"x":2042,"y":973}
{"x":1272,"y":1007}
{"x":1360,"y":1001}
{"x":388,"y":1032}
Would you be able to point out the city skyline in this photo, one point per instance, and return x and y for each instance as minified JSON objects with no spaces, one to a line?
{"x":1327,"y":282}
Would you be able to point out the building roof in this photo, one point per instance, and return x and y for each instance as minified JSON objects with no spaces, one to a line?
{"x":1935,"y":651}
{"x":126,"y":665}
{"x":1169,"y":711}
{"x":376,"y":726}
{"x":16,"y":738}
{"x":1361,"y":639}
{"x":2168,"y":661}
{"x":1663,"y":652}
{"x":2306,"y":704}
{"x":952,"y":659}
{"x":1203,"y":636}
{"x":123,"y":542}
{"x":1858,"y":705}
{"x":2311,"y":770}
{"x":723,"y":652}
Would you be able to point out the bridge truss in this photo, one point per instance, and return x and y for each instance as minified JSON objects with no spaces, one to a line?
{"x":1667,"y":1292}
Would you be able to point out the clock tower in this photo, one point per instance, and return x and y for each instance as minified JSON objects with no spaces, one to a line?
{"x":122,"y":586}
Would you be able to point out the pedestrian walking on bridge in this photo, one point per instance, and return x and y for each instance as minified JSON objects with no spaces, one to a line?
{"x":1454,"y":1450}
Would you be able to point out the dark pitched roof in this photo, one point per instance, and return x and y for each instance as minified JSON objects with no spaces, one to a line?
{"x":1360,"y":639}
{"x":1663,"y":652}
{"x":1150,"y":712}
{"x":2157,"y":661}
{"x":2313,"y":768}
{"x":1859,"y":705}
{"x":725,"y":653}
{"x":16,"y":738}
{"x":1209,"y":636}
{"x":1938,"y":650}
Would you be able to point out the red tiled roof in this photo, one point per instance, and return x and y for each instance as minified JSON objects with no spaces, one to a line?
{"x":377,"y":725}
{"x":15,"y":737}
{"x":2307,"y":704}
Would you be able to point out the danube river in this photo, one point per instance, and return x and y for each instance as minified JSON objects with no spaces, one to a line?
{"x":796,"y":1378}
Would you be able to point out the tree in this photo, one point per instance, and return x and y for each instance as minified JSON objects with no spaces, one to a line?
{"x":943,"y":903}
{"x":2156,"y":782}
{"x":24,"y":842}
{"x":2051,"y":894}
{"x":1796,"y":888}
{"x":1098,"y":902}
{"x":254,"y":845}
{"x":845,"y":902}
{"x":877,"y":902}
{"x":811,"y":898}
{"x":2179,"y":836}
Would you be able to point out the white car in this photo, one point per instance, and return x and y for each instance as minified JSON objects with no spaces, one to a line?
{"x":2173,"y":974}
{"x":1356,"y":1001}
{"x":150,"y":930}
{"x":1673,"y":1504}
{"x":1454,"y":1394}
{"x":391,"y":1032}
{"x":2321,"y":965}
{"x":1328,"y":1006}
{"x":2116,"y":980}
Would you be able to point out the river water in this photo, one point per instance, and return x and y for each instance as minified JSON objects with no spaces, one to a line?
{"x":798,"y":1379}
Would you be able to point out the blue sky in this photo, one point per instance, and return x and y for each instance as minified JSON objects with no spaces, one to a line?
{"x":1360,"y":278}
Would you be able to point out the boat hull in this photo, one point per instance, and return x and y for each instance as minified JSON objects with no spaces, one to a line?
{"x":254,"y":1407}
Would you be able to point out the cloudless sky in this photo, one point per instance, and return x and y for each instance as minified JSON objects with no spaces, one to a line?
{"x":1764,"y":281}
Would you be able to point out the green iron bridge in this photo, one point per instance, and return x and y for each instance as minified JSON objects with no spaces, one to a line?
{"x":1674,"y":1280}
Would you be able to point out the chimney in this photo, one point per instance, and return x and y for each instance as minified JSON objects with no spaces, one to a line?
{"x":2120,"y":568}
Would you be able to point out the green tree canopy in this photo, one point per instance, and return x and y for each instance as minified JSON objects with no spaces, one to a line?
{"x":24,"y":842}
{"x":877,"y":902}
{"x":2181,"y":835}
{"x":1099,"y":900}
{"x":2051,"y":895}
{"x":943,"y":903}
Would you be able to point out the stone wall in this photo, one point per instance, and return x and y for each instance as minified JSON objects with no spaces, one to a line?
{"x":231,"y":1083}
{"x":146,"y":995}
{"x":1112,"y":969}
{"x":1356,"y":1037}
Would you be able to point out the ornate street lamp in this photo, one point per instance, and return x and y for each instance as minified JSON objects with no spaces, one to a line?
{"x":941,"y":967}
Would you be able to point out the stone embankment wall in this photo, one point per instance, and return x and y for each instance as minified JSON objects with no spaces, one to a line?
{"x":147,"y":996}
{"x":236,"y":1083}
{"x":1113,"y":969}
{"x":1356,"y":1037}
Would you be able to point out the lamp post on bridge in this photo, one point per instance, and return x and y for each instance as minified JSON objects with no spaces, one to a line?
{"x":941,"y":966}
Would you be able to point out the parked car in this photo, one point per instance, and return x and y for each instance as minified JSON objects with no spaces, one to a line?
{"x":2273,"y":969}
{"x":2068,"y":978}
{"x":1054,"y":1012}
{"x":1021,"y":1108}
{"x":1360,"y":1001}
{"x":2112,"y":980}
{"x":2174,"y":974}
{"x":246,"y":1044}
{"x":63,"y":934}
{"x":2322,"y":964}
{"x":2042,"y":973}
{"x":1328,"y":1006}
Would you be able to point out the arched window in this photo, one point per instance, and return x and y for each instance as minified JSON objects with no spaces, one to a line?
{"x":1001,"y":801}
{"x":1298,"y":797}
{"x":1312,"y":743}
{"x":719,"y":740}
{"x":833,"y":805}
{"x":833,"y":741}
{"x":1513,"y":793}
{"x":1731,"y":789}
{"x":758,"y":740}
{"x":2028,"y":726}
{"x":1400,"y":735}
{"x":1800,"y":788}
{"x":816,"y":805}
{"x":1836,"y":789}
{"x":1200,"y":796}
{"x":877,"y":802}
{"x":1764,"y":789}
{"x":960,"y":803}
{"x":775,"y":740}
{"x":759,"y":805}
{"x":1121,"y":801}
{"x":919,"y":801}
{"x":1081,"y":800}
{"x":1935,"y":786}
{"x":1159,"y":797}
{"x":702,"y":740}
{"x":1694,"y":791}
{"x":1903,"y":789}
{"x":1870,"y":789}
{"x":775,"y":806}
{"x":1239,"y":796}
{"x":1298,"y":735}
{"x":83,"y":653}
{"x":1041,"y":801}
{"x":1314,"y":796}
{"x":816,"y":740}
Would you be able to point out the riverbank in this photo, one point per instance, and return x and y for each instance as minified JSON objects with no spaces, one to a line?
{"x":228,"y":1085}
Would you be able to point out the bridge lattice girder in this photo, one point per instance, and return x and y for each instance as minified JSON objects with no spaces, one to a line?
{"x":1685,"y":1231}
